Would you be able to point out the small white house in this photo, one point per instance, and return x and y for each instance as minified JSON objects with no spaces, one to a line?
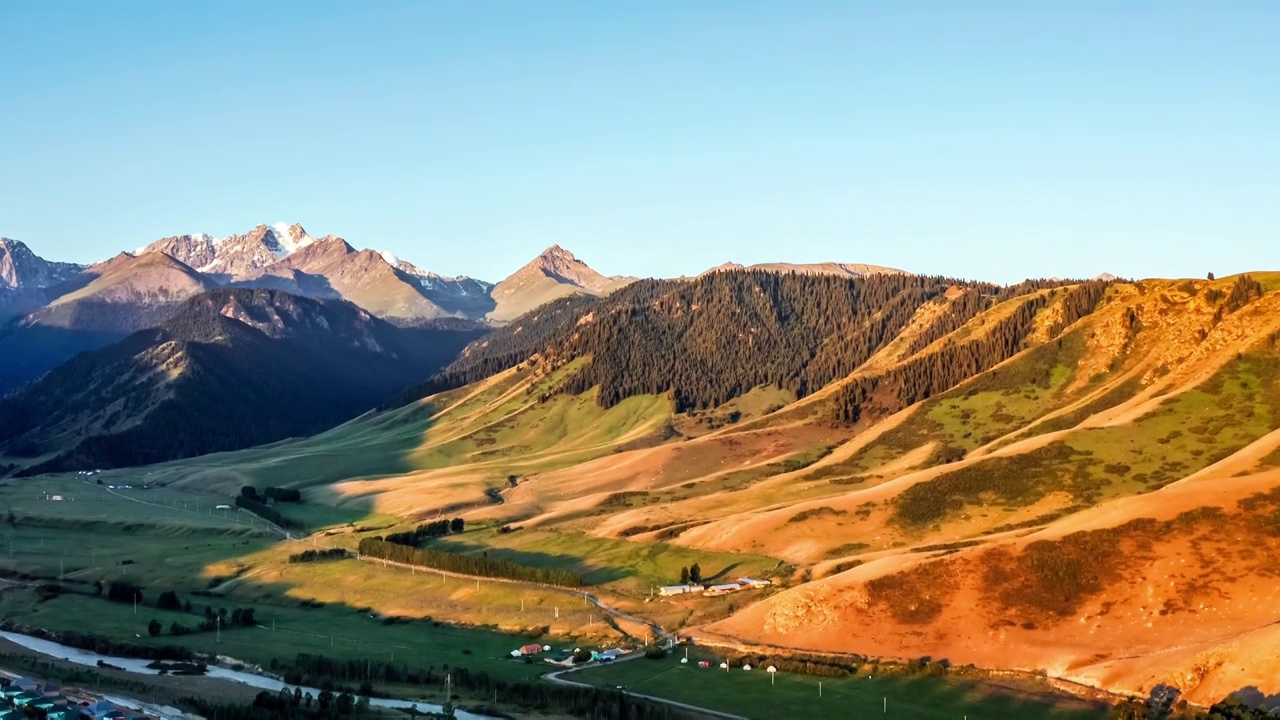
{"x":669,"y":590}
{"x":753,"y":583}
{"x":723,"y":589}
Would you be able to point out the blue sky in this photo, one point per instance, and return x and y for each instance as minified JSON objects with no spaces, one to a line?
{"x":977,"y":139}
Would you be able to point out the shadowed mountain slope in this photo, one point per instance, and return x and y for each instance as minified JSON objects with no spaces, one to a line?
{"x":228,"y":369}
{"x":104,"y":303}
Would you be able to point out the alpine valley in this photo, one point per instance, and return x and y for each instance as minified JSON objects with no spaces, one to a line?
{"x":1055,"y":495}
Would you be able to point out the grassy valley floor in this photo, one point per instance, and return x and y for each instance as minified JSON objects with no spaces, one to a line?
{"x":752,"y":694}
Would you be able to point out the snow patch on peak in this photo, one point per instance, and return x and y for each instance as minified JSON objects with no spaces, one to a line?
{"x":289,"y":238}
{"x":391,"y":259}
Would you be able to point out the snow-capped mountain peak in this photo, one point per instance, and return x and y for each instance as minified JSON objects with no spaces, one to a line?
{"x":235,"y":256}
{"x":290,"y":238}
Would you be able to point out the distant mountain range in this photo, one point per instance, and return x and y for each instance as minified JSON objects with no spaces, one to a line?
{"x":52,"y":310}
{"x":554,"y":274}
{"x":853,"y":270}
{"x":226,"y":369}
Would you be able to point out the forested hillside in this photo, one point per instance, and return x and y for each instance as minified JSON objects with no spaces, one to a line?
{"x":712,"y":339}
{"x":926,"y":375}
{"x":917,"y":464}
{"x":104,"y":304}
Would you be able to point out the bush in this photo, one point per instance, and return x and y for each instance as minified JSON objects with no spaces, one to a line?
{"x":436,"y":528}
{"x":266,"y":513}
{"x":307,"y":556}
{"x":283,"y":494}
{"x":121,"y":591}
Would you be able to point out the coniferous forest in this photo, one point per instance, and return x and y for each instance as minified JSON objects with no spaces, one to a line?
{"x":708,"y":340}
{"x":951,"y":365}
{"x":481,"y":565}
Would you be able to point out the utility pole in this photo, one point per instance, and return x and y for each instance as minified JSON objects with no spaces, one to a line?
{"x":217,"y":623}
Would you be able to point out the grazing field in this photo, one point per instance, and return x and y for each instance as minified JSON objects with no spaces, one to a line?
{"x":574,"y":427}
{"x":236,"y":564}
{"x":87,"y":501}
{"x":161,"y":557}
{"x":338,"y":632}
{"x":632,"y":568}
{"x":752,"y":695}
{"x":1187,"y":433}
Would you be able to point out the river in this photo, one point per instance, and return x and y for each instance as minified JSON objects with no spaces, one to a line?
{"x":134,"y":665}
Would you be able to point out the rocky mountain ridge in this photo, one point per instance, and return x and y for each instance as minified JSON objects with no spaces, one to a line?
{"x":286,"y":257}
{"x":228,"y":368}
{"x":22,"y":269}
{"x":554,"y":274}
{"x":853,"y":270}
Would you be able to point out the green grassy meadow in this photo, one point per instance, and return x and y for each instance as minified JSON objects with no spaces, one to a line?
{"x":632,"y":568}
{"x":333,"y":631}
{"x":1187,"y":433}
{"x":980,"y":411}
{"x":751,"y":694}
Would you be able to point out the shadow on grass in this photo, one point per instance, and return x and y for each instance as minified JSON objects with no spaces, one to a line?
{"x":723,"y":573}
{"x":373,"y":445}
{"x":591,"y":574}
